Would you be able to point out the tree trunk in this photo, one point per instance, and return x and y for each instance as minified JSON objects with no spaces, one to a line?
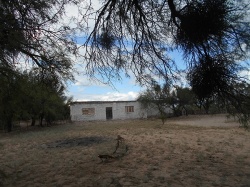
{"x":41,"y":119}
{"x":9,"y":124}
{"x":206,"y":106}
{"x":33,"y":121}
{"x":174,"y":110}
{"x":184,"y":111}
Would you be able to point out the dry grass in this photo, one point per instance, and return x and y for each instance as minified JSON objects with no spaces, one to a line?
{"x":169,"y":155}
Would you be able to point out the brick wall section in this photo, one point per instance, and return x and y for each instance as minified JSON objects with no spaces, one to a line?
{"x":118,"y":110}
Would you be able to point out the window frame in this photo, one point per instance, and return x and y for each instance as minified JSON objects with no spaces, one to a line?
{"x":129,"y":109}
{"x":88,"y":111}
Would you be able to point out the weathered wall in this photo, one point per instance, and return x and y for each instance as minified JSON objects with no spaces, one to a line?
{"x":118,"y":110}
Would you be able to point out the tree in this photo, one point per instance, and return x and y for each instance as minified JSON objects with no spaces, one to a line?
{"x":33,"y":33}
{"x":31,"y":95}
{"x":136,"y":36}
{"x":10,"y":98}
{"x":157,"y":97}
{"x":185,"y":98}
{"x":45,"y":96}
{"x":66,"y":108}
{"x":30,"y":31}
{"x":204,"y":103}
{"x":238,"y":102}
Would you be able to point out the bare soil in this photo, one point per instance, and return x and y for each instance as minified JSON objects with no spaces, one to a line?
{"x":218,"y":120}
{"x":187,"y":151}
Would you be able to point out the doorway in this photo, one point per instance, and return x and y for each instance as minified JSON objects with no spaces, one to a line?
{"x":109,"y":113}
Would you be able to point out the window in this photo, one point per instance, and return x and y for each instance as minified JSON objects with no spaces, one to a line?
{"x":88,"y":111}
{"x":129,"y":109}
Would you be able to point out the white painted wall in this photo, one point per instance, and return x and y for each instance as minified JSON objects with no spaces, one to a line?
{"x":118,"y":110}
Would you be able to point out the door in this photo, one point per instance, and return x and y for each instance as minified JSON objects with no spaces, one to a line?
{"x":109,"y":114}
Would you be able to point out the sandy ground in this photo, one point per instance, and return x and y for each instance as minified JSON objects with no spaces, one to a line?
{"x":186,"y":151}
{"x":220,"y":120}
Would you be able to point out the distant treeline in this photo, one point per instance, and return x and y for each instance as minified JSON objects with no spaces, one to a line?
{"x":36,"y":95}
{"x":184,"y":101}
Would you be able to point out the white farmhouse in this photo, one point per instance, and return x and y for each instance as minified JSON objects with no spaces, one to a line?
{"x":105,"y":110}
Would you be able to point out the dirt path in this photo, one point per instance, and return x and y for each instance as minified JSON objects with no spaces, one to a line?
{"x":220,"y":120}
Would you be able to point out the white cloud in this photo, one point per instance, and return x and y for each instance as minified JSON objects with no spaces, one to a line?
{"x":83,"y":80}
{"x":82,"y":13}
{"x":109,"y":96}
{"x":245,"y":74}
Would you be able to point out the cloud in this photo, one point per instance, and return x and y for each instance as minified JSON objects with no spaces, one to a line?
{"x":83,"y":80}
{"x":245,"y":74}
{"x":109,"y":96}
{"x":81,"y":14}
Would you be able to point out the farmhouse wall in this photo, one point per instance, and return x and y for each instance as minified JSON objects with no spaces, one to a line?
{"x":118,"y":110}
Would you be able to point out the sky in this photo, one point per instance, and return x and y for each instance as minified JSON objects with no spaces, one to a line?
{"x":85,"y":89}
{"x":126,"y":89}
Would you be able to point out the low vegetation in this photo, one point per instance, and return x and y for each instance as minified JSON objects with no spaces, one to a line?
{"x":176,"y":154}
{"x":184,"y":101}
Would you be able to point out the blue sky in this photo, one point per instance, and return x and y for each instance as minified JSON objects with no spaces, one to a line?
{"x":85,"y":89}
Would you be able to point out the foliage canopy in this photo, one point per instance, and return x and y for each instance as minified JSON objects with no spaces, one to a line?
{"x":212,"y":35}
{"x":142,"y":33}
{"x":30,"y":32}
